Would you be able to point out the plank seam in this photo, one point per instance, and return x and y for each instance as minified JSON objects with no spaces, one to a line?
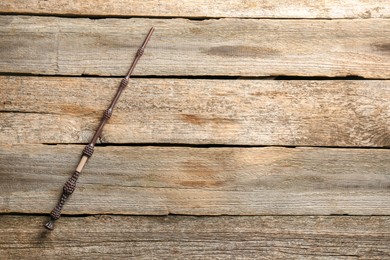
{"x":85,"y":215}
{"x":203,"y":146}
{"x":216,"y":77}
{"x":192,"y":18}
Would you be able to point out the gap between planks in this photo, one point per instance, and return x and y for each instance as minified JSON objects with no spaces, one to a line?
{"x":329,"y":9}
{"x":189,"y":18}
{"x":210,"y":77}
{"x":200,"y":146}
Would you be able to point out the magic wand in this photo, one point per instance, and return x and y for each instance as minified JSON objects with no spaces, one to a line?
{"x":70,"y":185}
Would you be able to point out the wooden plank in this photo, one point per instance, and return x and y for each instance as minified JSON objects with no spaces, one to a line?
{"x":279,"y":237}
{"x":197,"y":181}
{"x":181,"y":47}
{"x":249,"y":112}
{"x":204,"y":8}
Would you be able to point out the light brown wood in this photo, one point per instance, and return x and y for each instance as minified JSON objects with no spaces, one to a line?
{"x":181,"y":237}
{"x":285,"y":189}
{"x":204,"y":8}
{"x":234,"y":112}
{"x":181,"y":47}
{"x":197,"y":181}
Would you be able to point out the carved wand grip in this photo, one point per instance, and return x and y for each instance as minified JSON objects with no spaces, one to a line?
{"x":70,"y":185}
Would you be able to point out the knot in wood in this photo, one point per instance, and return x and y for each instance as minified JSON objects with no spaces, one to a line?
{"x":88,"y":150}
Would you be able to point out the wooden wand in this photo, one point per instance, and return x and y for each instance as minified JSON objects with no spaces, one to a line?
{"x":70,"y":185}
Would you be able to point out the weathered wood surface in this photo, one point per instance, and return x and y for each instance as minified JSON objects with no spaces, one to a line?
{"x":280,"y":237}
{"x":197,"y":181}
{"x":161,"y":180}
{"x":181,"y":47}
{"x":204,"y":8}
{"x":250,"y":112}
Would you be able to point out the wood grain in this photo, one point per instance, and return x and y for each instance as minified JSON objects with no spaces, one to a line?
{"x":182,"y":47}
{"x":234,"y":112}
{"x":281,"y":237}
{"x":288,"y":192}
{"x":204,"y":8}
{"x":197,"y":181}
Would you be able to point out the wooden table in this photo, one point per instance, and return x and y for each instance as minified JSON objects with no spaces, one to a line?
{"x":251,"y":129}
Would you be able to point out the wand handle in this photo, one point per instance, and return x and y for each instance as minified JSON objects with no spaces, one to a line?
{"x":70,"y":185}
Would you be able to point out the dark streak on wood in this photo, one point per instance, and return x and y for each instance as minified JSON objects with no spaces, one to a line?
{"x":198,"y":120}
{"x":193,"y":119}
{"x":383,"y":47}
{"x":241,"y":51}
{"x":204,"y":9}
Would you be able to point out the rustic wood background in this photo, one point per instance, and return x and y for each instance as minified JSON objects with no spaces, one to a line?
{"x":251,"y":129}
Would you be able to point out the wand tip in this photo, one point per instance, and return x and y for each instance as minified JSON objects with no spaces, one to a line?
{"x":151,"y":31}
